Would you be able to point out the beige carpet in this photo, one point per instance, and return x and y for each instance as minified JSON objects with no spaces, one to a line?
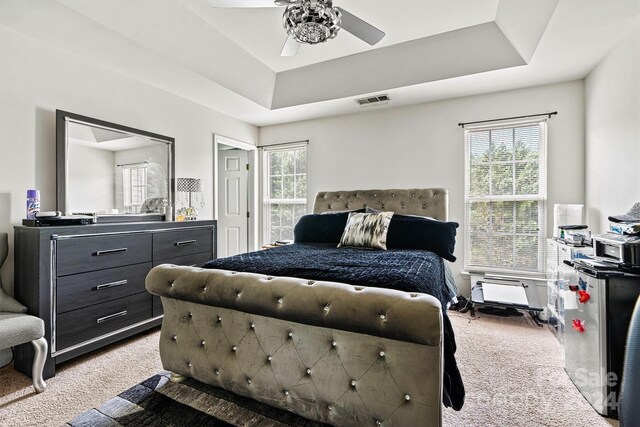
{"x":512,"y":371}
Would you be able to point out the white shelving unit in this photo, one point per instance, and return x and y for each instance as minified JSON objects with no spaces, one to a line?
{"x":559,"y":275}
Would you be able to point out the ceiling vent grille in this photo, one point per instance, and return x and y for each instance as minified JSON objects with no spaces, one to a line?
{"x":373,"y":100}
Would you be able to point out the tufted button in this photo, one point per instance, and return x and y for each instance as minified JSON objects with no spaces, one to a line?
{"x":269,"y":358}
{"x":234,"y":348}
{"x":189,"y":364}
{"x":333,"y":343}
{"x":280,"y":300}
{"x":249,"y":380}
{"x":238,"y":295}
{"x":175,"y":337}
{"x":424,"y":206}
{"x":204,"y":289}
{"x":393,"y":194}
{"x":383,"y":206}
{"x":269,"y":278}
{"x":219,"y":319}
{"x":339,"y":196}
{"x":365,"y":205}
{"x":353,"y":383}
{"x":190,"y":315}
{"x":382,"y":354}
{"x":171,"y":284}
{"x":308,"y":371}
{"x":375,"y":195}
{"x":378,"y":422}
{"x":286,"y":392}
{"x":327,"y":308}
{"x":310,"y":282}
{"x":413,"y":195}
{"x":329,"y":407}
{"x":252,"y":326}
{"x":407,"y":397}
{"x":290,"y":334}
{"x":216,"y":372}
{"x":202,"y":343}
{"x":383,"y":316}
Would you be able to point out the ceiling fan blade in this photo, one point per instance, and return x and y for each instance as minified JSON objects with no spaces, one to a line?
{"x":243,"y":3}
{"x":290,"y":47}
{"x":359,"y":28}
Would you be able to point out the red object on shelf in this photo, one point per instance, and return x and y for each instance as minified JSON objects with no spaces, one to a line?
{"x":583,"y":296}
{"x":578,"y":325}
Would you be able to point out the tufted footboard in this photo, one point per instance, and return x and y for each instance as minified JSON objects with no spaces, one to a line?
{"x":330,"y":352}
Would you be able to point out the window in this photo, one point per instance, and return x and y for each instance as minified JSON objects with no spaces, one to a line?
{"x":134,"y":178}
{"x":505,"y":195}
{"x":285,"y":190}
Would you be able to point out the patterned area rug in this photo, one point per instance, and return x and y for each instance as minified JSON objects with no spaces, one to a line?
{"x":159,"y":402}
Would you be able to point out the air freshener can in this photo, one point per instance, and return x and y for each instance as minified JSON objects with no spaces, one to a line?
{"x":33,"y":203}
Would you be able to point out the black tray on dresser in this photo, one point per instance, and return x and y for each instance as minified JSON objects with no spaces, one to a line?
{"x":87,"y":281}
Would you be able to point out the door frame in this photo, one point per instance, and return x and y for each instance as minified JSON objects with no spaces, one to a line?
{"x":252,"y":184}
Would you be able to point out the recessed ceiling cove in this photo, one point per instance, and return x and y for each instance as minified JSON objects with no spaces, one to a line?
{"x":228,"y":59}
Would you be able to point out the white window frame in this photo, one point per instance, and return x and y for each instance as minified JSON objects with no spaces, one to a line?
{"x":541,"y":198}
{"x":266,"y":201}
{"x":128,"y":187}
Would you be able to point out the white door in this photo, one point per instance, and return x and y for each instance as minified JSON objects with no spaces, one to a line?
{"x":232,"y":202}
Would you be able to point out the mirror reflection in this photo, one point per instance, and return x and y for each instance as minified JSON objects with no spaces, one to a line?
{"x":111,"y":172}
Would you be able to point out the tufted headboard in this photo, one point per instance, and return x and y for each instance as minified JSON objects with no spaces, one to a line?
{"x":433,"y":202}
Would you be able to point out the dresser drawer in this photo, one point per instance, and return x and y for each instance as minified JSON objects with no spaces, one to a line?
{"x":194,"y":260}
{"x":85,"y":289}
{"x":77,"y":255}
{"x":171,"y":244}
{"x":80,"y":325}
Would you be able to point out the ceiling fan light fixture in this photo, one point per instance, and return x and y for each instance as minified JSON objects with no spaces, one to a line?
{"x":312,"y":21}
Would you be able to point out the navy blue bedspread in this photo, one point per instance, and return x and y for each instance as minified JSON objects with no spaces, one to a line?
{"x":401,"y":269}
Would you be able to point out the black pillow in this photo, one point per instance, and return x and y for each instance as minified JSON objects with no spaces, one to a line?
{"x":413,"y":232}
{"x":321,"y":228}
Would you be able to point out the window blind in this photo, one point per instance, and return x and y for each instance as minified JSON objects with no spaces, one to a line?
{"x":285,"y":190}
{"x":505,"y":197}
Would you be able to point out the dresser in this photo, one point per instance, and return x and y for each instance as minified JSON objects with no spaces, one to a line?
{"x":87,"y":282}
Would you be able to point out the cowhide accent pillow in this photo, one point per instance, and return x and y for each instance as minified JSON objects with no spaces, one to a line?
{"x":365,"y":230}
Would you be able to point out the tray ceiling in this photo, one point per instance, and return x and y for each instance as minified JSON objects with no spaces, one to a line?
{"x":228,"y":59}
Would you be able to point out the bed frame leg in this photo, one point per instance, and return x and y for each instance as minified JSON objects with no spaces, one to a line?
{"x":177,"y":378}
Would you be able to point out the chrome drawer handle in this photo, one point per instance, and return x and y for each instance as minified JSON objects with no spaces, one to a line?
{"x":185,"y":242}
{"x":110,"y":251}
{"x":111,"y":285}
{"x":111,"y":316}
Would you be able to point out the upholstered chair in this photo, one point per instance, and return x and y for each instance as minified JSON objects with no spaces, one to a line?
{"x":629,"y":410}
{"x":17,"y":328}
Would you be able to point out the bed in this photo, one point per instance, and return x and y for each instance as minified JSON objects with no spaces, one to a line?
{"x":343,"y":336}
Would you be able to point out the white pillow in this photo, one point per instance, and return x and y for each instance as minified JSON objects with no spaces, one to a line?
{"x":366,"y":230}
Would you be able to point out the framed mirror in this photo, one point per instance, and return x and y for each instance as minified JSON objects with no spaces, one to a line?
{"x":114,"y":172}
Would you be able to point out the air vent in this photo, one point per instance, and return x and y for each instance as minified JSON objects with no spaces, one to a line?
{"x":373,"y":100}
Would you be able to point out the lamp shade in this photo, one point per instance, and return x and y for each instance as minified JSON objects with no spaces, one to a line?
{"x":189,"y":185}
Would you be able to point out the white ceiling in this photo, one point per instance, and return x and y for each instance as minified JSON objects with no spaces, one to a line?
{"x":259,"y":31}
{"x":228,"y":60}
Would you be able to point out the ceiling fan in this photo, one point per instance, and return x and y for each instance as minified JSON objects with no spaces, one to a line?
{"x":311,"y":21}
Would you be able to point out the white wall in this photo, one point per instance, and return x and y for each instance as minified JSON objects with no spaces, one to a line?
{"x":423,"y":146}
{"x":91,"y":181}
{"x":612,"y":111}
{"x":36,"y":79}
